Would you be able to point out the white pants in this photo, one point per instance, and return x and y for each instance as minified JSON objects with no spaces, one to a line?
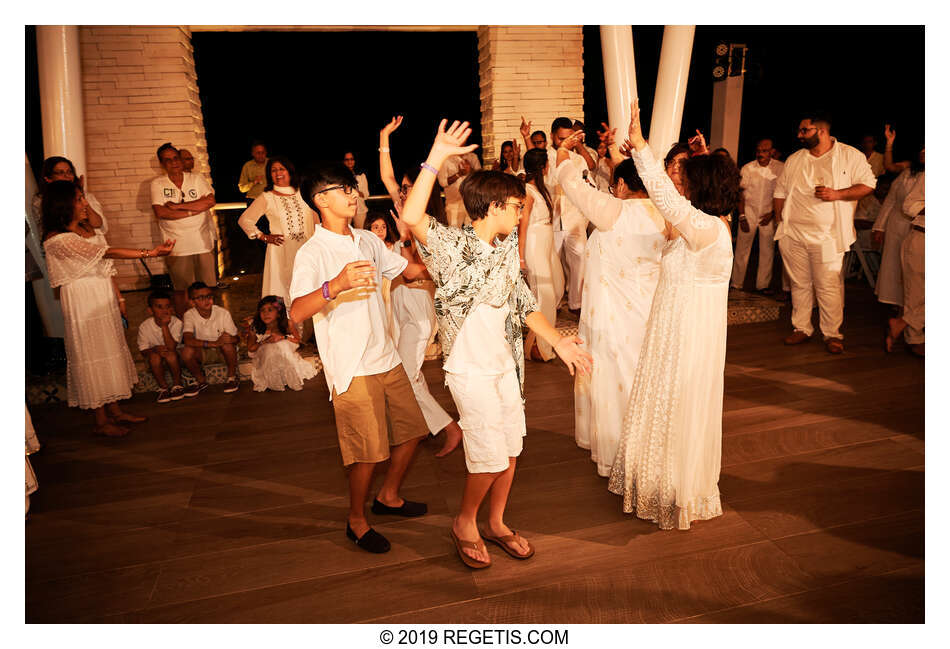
{"x":575,"y":246}
{"x":491,"y":415}
{"x":912,"y":267}
{"x":811,"y":277}
{"x":766,"y":254}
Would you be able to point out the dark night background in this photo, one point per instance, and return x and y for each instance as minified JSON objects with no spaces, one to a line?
{"x":311,"y":95}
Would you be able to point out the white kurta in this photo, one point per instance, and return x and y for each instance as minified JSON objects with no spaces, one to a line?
{"x":287,"y":215}
{"x":99,"y":367}
{"x":895,"y":225}
{"x":758,"y":183}
{"x":545,"y":275}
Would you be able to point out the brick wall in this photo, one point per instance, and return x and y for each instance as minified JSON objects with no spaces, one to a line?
{"x":537,"y":72}
{"x":139,"y":90}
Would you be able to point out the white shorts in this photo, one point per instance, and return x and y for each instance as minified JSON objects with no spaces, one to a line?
{"x":491,"y":416}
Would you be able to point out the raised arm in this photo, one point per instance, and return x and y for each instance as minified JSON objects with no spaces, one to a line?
{"x":889,"y":164}
{"x":386,"y":173}
{"x":698,"y":228}
{"x":447,"y":143}
{"x":601,"y":209}
{"x":526,"y":133}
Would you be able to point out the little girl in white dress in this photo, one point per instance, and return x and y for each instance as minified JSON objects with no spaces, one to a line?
{"x":272,"y":344}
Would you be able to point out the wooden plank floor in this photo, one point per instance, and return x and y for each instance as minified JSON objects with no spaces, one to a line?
{"x":230,"y":508}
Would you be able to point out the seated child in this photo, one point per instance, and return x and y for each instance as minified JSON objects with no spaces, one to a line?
{"x":158,"y":340}
{"x":272,"y":343}
{"x":207,"y":325}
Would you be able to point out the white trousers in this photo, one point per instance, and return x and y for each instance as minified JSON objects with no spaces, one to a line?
{"x":912,"y":268}
{"x":573,"y":252}
{"x":810,"y":278}
{"x":744,"y":241}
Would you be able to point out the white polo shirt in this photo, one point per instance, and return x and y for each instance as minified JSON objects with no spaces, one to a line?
{"x":150,"y":334}
{"x":209,"y":328}
{"x":758,"y":185}
{"x":192,"y":234}
{"x":351,"y":331}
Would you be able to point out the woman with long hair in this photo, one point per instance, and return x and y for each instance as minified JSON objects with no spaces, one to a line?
{"x":510,"y":160}
{"x":362,"y":188}
{"x":290,"y":221}
{"x":669,"y":457}
{"x":539,"y":258}
{"x":100,"y":371}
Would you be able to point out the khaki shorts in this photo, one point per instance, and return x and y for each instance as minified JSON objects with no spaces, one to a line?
{"x":188,"y":269}
{"x":377,"y":411}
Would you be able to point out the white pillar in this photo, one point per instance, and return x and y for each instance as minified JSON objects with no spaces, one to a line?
{"x":58,"y":57}
{"x":671,"y":87}
{"x":620,"y":74}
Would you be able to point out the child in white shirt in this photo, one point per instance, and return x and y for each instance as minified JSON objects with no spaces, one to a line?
{"x":207,"y":325}
{"x":158,"y":340}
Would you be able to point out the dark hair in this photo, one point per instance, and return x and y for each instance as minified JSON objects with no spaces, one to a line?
{"x":255,"y":143}
{"x":483,"y":188}
{"x":627,"y":171}
{"x":58,"y":206}
{"x":561,"y":122}
{"x":578,"y":125}
{"x":542,"y":134}
{"x":321,"y":176}
{"x":157,"y":295}
{"x":534,"y":161}
{"x":763,"y":139}
{"x":916,"y":166}
{"x":282,"y":324}
{"x":819,"y":117}
{"x":197,"y":286}
{"x":357,"y":170}
{"x":435,"y":207}
{"x":163,"y":148}
{"x":46,"y":171}
{"x":294,"y":181}
{"x":722,"y":151}
{"x":392,"y":232}
{"x":502,"y":163}
{"x":712,"y":183}
{"x":678,"y":148}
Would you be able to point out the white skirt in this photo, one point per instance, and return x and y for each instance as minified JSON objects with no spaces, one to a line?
{"x":278,"y":365}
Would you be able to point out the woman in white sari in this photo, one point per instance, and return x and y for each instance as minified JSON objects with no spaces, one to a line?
{"x":620,"y":276}
{"x":669,"y":457}
{"x":539,"y":259}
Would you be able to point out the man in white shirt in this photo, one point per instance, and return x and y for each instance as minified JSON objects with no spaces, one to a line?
{"x":450,"y":177}
{"x":182,"y":204}
{"x":814,"y":201}
{"x":337,"y":281}
{"x":755,"y":215}
{"x":875,"y":159}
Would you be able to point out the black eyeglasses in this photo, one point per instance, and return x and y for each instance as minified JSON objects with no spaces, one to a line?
{"x":802,"y":131}
{"x":347,"y":190}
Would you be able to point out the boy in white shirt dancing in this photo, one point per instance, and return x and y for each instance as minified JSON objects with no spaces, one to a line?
{"x":481,"y":302}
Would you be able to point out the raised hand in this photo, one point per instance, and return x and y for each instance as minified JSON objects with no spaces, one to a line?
{"x":626,"y":148}
{"x":634,"y":132}
{"x":573,"y":141}
{"x":889,"y":134}
{"x":697,"y":144}
{"x":525,"y":128}
{"x":451,"y":141}
{"x":392,"y":126}
{"x":570,"y":350}
{"x":164,"y":249}
{"x":516,"y":148}
{"x":404,"y":231}
{"x":607,"y":135}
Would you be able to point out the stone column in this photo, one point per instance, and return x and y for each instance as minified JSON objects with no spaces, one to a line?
{"x":61,"y":101}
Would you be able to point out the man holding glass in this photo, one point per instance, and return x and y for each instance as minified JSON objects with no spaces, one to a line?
{"x":814,"y":202}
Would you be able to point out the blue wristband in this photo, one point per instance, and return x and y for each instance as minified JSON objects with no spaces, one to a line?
{"x":428,"y":167}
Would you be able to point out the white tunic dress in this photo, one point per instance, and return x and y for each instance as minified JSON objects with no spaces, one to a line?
{"x":288,"y":215}
{"x":99,"y":367}
{"x":545,"y":275}
{"x":668,"y":461}
{"x":276,"y":365}
{"x":895,"y":225}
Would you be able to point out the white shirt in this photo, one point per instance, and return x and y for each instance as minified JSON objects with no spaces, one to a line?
{"x":351,"y":331}
{"x":847,"y":166}
{"x":150,"y":334}
{"x":363,"y":187}
{"x":758,"y":185}
{"x":567,"y":216}
{"x":209,"y":328}
{"x":192,"y":234}
{"x":481,"y":346}
{"x":452,"y":165}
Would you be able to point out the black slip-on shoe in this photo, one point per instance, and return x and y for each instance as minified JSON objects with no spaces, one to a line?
{"x":408,"y":508}
{"x":372,"y":541}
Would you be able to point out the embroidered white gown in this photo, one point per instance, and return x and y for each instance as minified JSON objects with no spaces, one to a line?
{"x":99,"y":367}
{"x":288,"y":215}
{"x":278,"y":365}
{"x":669,"y":457}
{"x":545,"y":274}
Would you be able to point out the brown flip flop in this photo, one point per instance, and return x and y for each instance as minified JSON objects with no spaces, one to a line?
{"x":503,"y":541}
{"x":471,"y":562}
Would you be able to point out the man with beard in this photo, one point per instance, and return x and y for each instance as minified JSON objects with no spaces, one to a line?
{"x":814,"y":203}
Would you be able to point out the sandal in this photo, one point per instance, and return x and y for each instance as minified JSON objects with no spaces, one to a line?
{"x":469,"y":561}
{"x":514,"y":537}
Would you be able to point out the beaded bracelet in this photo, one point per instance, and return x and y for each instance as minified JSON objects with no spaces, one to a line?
{"x":428,"y":167}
